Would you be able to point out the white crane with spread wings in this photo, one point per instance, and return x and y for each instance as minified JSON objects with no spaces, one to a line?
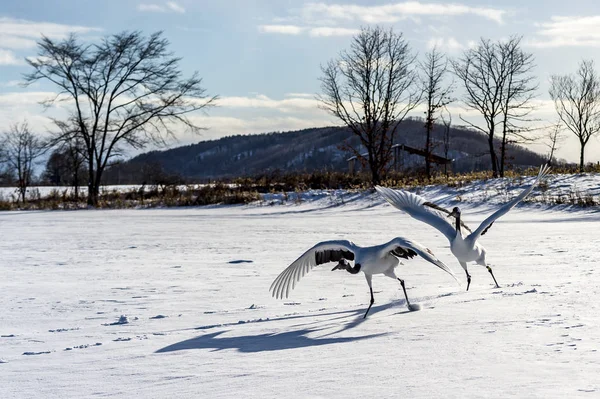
{"x":465,"y":249}
{"x":379,"y":259}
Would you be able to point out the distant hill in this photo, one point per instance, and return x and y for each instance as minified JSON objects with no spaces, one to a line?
{"x":303,"y":150}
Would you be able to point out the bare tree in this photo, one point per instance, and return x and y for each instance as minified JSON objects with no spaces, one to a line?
{"x":370,"y":88}
{"x":126,"y":90}
{"x":20,"y":148}
{"x":447,"y":122}
{"x":66,"y":165}
{"x":554,"y":137}
{"x":70,"y":144}
{"x":436,"y":95}
{"x":577,"y":102}
{"x":482,"y":73}
{"x":519,"y":90}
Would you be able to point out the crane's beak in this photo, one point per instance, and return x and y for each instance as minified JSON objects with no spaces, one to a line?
{"x":453,"y":214}
{"x":340,"y":266}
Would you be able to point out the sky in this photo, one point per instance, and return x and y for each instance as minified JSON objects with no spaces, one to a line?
{"x":263,"y":58}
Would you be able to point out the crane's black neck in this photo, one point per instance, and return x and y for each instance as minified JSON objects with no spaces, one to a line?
{"x":353,"y":269}
{"x":457,"y":222}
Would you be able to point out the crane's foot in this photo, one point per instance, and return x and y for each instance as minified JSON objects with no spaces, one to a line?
{"x":468,"y":281}
{"x":411,"y":306}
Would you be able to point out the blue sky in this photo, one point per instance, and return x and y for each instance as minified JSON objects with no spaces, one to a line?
{"x":263,"y":57}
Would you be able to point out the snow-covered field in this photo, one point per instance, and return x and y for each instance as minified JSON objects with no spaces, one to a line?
{"x":175,"y":303}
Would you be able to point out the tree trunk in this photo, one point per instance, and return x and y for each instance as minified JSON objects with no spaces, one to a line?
{"x":374,"y":166}
{"x":375,"y":176}
{"x":493,"y":156}
{"x":75,"y":175}
{"x":92,"y":200}
{"x":375,"y":171}
{"x":75,"y":184}
{"x":428,"y":149}
{"x":97,"y":182}
{"x":502,"y":154}
{"x":22,"y":191}
{"x":581,"y":156}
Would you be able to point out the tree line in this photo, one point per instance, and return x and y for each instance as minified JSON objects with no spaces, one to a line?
{"x":128,"y":91}
{"x":372,"y":86}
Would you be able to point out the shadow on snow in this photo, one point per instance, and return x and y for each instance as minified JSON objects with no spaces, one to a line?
{"x":261,"y":342}
{"x":297,"y":338}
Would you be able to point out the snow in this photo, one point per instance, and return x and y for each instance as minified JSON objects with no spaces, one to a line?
{"x":161,"y":303}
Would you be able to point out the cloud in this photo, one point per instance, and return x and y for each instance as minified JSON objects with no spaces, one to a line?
{"x":325,"y":31}
{"x":16,"y":42}
{"x":29,"y":98}
{"x":302,"y":95}
{"x":169,"y":6}
{"x":175,"y":7}
{"x":25,"y":105}
{"x":290,"y":104}
{"x":448,"y":44}
{"x":219,"y":126}
{"x":322,"y":31}
{"x":283,"y":29}
{"x":13,"y":83}
{"x":7,"y":57}
{"x":22,"y":34}
{"x":572,"y":31}
{"x":391,"y":13}
{"x":261,"y":114}
{"x":151,"y":8}
{"x":324,"y":20}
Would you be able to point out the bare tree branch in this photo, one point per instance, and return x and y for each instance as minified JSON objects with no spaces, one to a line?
{"x":127,"y":90}
{"x":371,"y":89}
{"x":577,"y":101}
{"x":20,"y":148}
{"x":437,"y":94}
{"x":519,"y":90}
{"x":481,"y":73}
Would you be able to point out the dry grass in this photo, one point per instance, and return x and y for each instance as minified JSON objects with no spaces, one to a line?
{"x":246,"y":190}
{"x":145,"y":197}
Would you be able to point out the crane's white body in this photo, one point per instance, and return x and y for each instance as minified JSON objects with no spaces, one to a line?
{"x":465,"y":249}
{"x":378,"y":259}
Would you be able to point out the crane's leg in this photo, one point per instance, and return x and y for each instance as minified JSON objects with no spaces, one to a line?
{"x":405,"y":295}
{"x":368,"y":277}
{"x":492,"y":273}
{"x":464,"y":266}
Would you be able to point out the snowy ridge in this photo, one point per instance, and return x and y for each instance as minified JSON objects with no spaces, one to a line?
{"x":478,"y":193}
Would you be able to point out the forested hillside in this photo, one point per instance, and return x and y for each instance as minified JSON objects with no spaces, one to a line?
{"x":303,"y":150}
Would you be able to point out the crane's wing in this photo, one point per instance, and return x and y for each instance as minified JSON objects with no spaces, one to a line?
{"x":323,"y":252}
{"x":487,"y":223}
{"x":447,"y":212}
{"x":404,"y":248}
{"x":415,"y":206}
